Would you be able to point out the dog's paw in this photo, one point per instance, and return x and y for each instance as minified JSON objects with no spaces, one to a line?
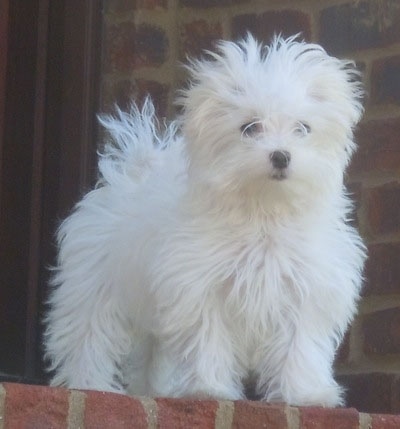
{"x":328,"y":396}
{"x":217,"y":393}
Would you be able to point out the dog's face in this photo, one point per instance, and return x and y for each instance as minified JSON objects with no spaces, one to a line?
{"x":274,"y":119}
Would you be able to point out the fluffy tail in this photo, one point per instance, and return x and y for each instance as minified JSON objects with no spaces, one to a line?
{"x":135,"y":142}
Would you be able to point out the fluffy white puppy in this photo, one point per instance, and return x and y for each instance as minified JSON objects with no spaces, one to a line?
{"x":218,"y":251}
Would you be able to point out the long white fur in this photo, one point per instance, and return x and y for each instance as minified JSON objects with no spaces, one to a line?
{"x":190,"y":268}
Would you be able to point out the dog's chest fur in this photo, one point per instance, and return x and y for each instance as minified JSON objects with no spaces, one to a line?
{"x":266,"y":288}
{"x":253,"y":279}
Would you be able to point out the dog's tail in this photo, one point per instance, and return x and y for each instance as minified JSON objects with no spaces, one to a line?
{"x":134,"y":145}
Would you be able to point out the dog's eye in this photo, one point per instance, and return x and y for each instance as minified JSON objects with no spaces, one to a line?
{"x":302,"y":129}
{"x":251,"y":128}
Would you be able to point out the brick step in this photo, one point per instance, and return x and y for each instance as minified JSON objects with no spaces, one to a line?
{"x":42,"y":407}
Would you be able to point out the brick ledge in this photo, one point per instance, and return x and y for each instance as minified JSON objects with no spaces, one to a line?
{"x":26,"y":406}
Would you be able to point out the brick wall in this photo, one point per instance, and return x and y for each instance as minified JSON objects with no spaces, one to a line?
{"x":145,"y":39}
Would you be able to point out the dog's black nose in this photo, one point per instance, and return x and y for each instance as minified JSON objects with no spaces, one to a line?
{"x":280,"y":159}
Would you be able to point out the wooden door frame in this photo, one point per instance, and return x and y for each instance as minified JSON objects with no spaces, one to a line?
{"x":49,"y":92}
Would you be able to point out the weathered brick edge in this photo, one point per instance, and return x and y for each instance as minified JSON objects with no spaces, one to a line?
{"x":25,"y":406}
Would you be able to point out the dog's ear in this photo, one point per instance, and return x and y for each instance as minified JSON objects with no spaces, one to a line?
{"x":330,"y":81}
{"x":338,"y":83}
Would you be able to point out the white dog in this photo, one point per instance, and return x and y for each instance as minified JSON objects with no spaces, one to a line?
{"x":219,"y":250}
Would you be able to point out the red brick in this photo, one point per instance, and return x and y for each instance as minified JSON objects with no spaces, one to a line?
{"x":124,"y":6}
{"x":209,"y":3}
{"x":151,"y":4}
{"x":369,"y":393}
{"x":128,"y":47}
{"x":382,"y":421}
{"x":119,"y":47}
{"x":199,"y":35}
{"x":385,"y":81}
{"x":378,"y":147}
{"x":120,"y":6}
{"x":395,"y":408}
{"x":111,"y":410}
{"x":343,"y":351}
{"x":123,"y":92}
{"x":35,"y":407}
{"x":329,"y":418}
{"x":186,"y":413}
{"x":384,"y":209}
{"x":249,"y":414}
{"x":382,"y":270}
{"x":266,"y":25}
{"x":151,"y":45}
{"x":382,"y":332}
{"x":360,"y":25}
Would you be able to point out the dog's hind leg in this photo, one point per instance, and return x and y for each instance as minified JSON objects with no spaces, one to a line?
{"x":86,"y":341}
{"x":87,"y":331}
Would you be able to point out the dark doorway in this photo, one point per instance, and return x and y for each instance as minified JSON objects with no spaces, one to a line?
{"x":49,"y":74}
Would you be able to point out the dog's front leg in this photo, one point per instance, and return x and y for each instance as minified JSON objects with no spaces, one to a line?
{"x":194,"y":356}
{"x":297,"y":369}
{"x":86,"y":341}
